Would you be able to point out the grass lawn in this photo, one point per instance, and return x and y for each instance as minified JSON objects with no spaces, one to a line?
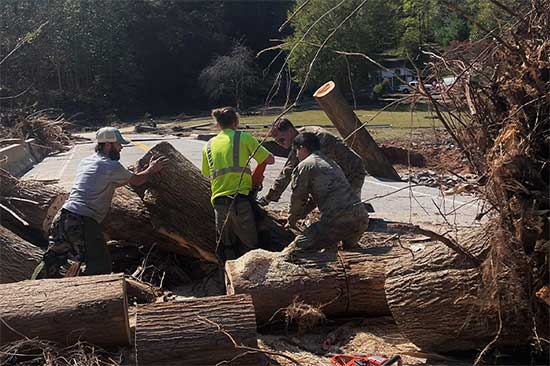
{"x":395,"y":118}
{"x":401,"y":120}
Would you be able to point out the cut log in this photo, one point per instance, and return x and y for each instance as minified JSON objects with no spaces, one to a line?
{"x":346,"y":283}
{"x":89,"y":308}
{"x":179,"y":198}
{"x":18,"y":258}
{"x":437,"y":300}
{"x":33,"y":204}
{"x":333,"y":103}
{"x":190,"y":332}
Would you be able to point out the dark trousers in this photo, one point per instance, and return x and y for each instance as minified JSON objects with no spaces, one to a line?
{"x":239,"y":234}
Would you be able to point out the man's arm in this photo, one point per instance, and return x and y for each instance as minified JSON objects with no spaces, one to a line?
{"x":299,"y":206}
{"x":283,"y":179}
{"x":154,"y":166}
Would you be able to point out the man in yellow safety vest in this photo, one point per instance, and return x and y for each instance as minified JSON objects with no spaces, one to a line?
{"x":225,"y":161}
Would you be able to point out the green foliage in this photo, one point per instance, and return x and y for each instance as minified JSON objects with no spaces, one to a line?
{"x":372,"y":30}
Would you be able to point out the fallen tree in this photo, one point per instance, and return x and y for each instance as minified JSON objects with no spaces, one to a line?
{"x":434,"y":299}
{"x":333,"y":103}
{"x":203,"y":331}
{"x":497,"y":110}
{"x":343,"y":283}
{"x":67,"y":310}
{"x":18,"y":258}
{"x":179,"y":197}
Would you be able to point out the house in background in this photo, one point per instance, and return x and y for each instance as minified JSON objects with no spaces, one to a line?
{"x":398,"y":68}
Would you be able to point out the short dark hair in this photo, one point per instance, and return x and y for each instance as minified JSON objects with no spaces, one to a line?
{"x":225,"y":116}
{"x":282,"y":124}
{"x":309,"y":140}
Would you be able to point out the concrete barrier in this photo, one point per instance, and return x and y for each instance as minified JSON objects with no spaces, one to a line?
{"x":21,"y":157}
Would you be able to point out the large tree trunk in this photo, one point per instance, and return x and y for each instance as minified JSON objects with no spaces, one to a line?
{"x":33,"y":205}
{"x":179,"y":197}
{"x":439,"y":304}
{"x":341,"y":114}
{"x":190,"y":332}
{"x":18,"y":258}
{"x":343,"y":283}
{"x":89,"y":308}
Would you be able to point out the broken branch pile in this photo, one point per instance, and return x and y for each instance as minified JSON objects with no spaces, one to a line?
{"x":499,"y":115}
{"x":52,"y":133}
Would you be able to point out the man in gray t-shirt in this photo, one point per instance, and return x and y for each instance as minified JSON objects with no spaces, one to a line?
{"x":76,"y":232}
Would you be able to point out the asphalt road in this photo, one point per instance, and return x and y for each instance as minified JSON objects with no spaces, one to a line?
{"x":394,"y":201}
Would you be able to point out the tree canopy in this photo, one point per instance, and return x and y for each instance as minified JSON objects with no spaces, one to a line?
{"x":122,"y":56}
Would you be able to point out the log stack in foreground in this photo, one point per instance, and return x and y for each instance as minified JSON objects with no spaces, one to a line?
{"x":18,"y":258}
{"x":192,"y":332}
{"x":91,"y":308}
{"x":346,"y":283}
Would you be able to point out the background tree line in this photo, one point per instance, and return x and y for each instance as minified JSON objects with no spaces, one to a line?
{"x":164,"y":56}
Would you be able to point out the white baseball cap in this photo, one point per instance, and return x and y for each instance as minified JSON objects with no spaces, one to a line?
{"x":110,"y":134}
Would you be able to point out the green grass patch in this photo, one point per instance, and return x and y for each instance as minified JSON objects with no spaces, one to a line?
{"x":395,"y":118}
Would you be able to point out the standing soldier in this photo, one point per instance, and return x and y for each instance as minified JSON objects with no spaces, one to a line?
{"x":225,"y":160}
{"x":76,"y":231}
{"x":319,"y":181}
{"x":332,"y":147}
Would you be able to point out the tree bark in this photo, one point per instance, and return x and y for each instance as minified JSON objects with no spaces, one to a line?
{"x":341,"y":114}
{"x":179,"y":197}
{"x":439,"y":303}
{"x":343,"y":283}
{"x":89,"y":308}
{"x":189,"y":332}
{"x":18,"y":258}
{"x":34,"y":202}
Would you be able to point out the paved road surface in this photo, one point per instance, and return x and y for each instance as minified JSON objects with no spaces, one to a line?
{"x":416,"y":204}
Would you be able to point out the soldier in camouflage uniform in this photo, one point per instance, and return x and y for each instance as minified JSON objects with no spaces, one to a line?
{"x":331,"y":146}
{"x":319,"y":181}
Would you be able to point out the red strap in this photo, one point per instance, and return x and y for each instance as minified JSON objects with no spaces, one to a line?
{"x":258,"y":175}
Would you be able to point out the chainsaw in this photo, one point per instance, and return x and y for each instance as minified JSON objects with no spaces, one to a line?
{"x":364,"y":360}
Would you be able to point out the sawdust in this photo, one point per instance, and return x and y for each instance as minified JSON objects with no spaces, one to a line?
{"x":378,"y":336}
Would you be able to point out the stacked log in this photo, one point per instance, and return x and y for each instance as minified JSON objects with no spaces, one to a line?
{"x":340,"y":283}
{"x":197,"y":332}
{"x":67,"y":310}
{"x":18,"y":257}
{"x":333,"y":103}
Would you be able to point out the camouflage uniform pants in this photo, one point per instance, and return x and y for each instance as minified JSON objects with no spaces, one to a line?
{"x":348,"y":228}
{"x":78,"y":238}
{"x":356,"y":184}
{"x":239,"y":235}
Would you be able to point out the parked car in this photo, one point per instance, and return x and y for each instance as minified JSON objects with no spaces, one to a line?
{"x":414,"y":85}
{"x":404,"y":88}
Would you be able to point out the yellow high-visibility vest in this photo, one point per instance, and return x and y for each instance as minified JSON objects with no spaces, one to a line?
{"x":224,"y":161}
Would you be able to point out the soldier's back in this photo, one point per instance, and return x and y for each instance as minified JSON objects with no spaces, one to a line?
{"x":329,"y":187}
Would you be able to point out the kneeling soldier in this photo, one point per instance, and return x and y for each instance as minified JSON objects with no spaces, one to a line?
{"x":319,"y":181}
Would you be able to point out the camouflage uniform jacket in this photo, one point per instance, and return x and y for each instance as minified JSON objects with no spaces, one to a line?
{"x":321,"y":180}
{"x":332,"y":147}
